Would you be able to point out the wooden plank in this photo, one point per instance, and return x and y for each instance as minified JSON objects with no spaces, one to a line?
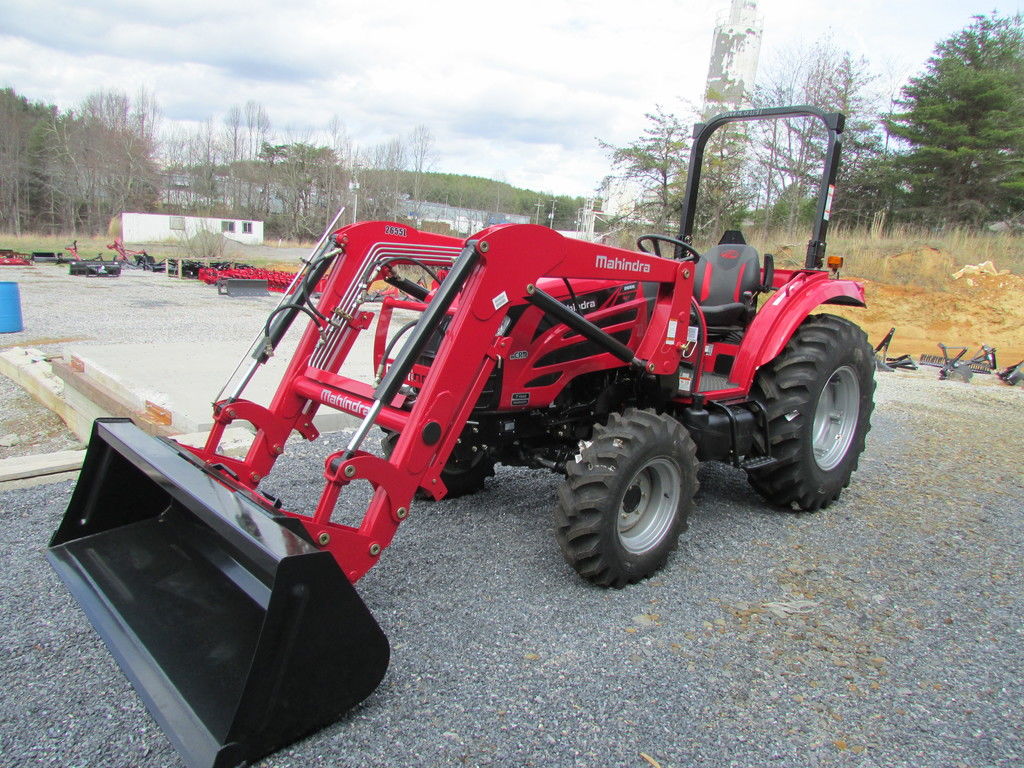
{"x":107,"y":401}
{"x":19,"y":467}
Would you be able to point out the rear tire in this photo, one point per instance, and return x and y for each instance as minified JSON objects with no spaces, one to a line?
{"x":818,"y":394}
{"x":626,"y":498}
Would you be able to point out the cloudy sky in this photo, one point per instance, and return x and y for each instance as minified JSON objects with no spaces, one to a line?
{"x":518,"y":91}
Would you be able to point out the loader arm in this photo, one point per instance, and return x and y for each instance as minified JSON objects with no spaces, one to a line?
{"x":210,"y":595}
{"x":494,"y":271}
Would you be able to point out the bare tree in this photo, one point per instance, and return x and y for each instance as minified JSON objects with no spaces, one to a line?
{"x":788,"y":153}
{"x":16,"y":124}
{"x":379,"y":182}
{"x":423,"y":157}
{"x":233,"y":154}
{"x":257,"y":127}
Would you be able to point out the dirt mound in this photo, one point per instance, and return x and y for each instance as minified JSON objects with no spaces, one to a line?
{"x":920,"y":266}
{"x":978,"y":308}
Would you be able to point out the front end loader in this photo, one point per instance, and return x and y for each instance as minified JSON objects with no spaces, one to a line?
{"x":235,"y":616}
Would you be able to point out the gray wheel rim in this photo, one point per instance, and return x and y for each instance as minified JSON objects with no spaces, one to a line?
{"x":649,"y":505}
{"x":835,"y":418}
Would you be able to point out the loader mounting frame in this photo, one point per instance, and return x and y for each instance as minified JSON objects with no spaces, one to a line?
{"x":490,"y":273}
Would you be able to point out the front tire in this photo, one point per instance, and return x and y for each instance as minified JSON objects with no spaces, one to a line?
{"x":462,"y":475}
{"x":818,"y":394}
{"x":626,"y":498}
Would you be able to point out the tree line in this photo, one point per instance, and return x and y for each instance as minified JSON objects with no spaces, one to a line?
{"x":945,"y":150}
{"x":70,"y":171}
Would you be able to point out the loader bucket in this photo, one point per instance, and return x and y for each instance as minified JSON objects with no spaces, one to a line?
{"x":239,"y":635}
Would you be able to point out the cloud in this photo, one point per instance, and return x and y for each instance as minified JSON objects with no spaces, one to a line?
{"x":527,"y":87}
{"x":248,"y":41}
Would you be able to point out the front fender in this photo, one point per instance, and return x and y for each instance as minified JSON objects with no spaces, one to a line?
{"x":779,"y":318}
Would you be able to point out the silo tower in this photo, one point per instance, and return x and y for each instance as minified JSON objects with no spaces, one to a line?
{"x":734,"y":56}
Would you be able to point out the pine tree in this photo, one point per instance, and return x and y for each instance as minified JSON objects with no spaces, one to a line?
{"x":657,"y":162}
{"x":963,"y":120}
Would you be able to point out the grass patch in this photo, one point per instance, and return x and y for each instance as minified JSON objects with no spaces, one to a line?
{"x":91,"y":246}
{"x":901,"y":256}
{"x":898,"y":256}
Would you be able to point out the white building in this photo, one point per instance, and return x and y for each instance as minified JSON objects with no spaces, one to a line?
{"x":463,"y":221}
{"x":159,"y":227}
{"x":624,"y":198}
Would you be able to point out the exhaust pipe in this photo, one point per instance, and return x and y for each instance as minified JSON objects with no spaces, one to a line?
{"x":237,"y":632}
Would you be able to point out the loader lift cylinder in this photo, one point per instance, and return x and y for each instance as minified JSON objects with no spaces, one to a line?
{"x":282,"y":317}
{"x":263,"y":347}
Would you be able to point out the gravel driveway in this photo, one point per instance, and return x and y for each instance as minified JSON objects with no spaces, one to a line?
{"x":887,"y":630}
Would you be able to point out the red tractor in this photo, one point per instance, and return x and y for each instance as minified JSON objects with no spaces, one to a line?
{"x":620,"y":369}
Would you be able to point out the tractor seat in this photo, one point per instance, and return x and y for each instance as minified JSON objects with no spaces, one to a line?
{"x":726,"y":280}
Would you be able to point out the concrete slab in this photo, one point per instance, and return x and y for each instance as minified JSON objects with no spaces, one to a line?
{"x":175,"y":383}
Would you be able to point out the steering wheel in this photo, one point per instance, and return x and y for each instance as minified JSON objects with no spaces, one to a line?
{"x":692,"y":254}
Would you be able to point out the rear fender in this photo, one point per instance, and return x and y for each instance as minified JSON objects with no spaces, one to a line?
{"x":778,"y":319}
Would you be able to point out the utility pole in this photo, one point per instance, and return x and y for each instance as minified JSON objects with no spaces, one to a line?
{"x":536,"y":215}
{"x":551,"y":216}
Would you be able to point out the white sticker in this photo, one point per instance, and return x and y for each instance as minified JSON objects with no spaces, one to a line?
{"x":691,"y":333}
{"x":670,"y":337}
{"x":828,"y":201}
{"x":500,"y":300}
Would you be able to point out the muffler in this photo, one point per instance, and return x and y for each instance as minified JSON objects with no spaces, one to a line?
{"x":237,"y":632}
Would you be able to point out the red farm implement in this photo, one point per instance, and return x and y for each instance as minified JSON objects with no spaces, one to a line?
{"x":278,"y":281}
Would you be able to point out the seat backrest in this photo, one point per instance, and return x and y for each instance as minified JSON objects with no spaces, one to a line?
{"x":725,"y":273}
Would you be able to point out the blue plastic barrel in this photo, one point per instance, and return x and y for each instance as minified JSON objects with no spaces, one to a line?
{"x":10,"y":308}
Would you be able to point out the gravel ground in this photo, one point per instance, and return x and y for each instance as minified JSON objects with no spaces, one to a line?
{"x":884,"y":631}
{"x":59,"y":310}
{"x":887,"y":630}
{"x":28,"y":428}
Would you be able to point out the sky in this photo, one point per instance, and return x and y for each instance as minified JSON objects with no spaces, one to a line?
{"x":523,"y":92}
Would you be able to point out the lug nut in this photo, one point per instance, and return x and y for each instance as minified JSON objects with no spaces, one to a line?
{"x":401,"y":513}
{"x":323,"y":539}
{"x":350,"y":471}
{"x":375,"y":549}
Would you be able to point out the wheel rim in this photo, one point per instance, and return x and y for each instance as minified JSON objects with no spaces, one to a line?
{"x":649,"y":505}
{"x":835,"y":418}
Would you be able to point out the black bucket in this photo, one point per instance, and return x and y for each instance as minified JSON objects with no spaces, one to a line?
{"x":239,"y":635}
